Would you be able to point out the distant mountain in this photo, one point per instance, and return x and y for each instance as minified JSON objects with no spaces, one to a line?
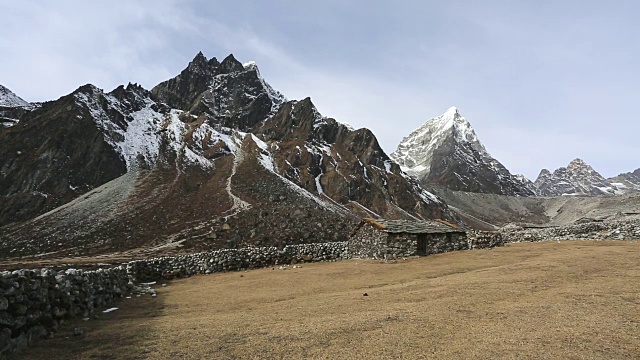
{"x":445,"y":151}
{"x":213,"y":158}
{"x":578,"y":178}
{"x":12,"y":107}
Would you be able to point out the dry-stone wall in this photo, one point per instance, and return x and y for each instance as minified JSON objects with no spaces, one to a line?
{"x":484,"y":239}
{"x":235,"y":259}
{"x":620,"y":230}
{"x":368,"y":243}
{"x":400,"y":245}
{"x":34,"y":302}
{"x":440,"y":243}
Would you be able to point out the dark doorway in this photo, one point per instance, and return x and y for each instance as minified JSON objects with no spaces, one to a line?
{"x":422,"y":244}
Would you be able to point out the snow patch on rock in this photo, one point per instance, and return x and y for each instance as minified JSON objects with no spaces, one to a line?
{"x":9,"y":99}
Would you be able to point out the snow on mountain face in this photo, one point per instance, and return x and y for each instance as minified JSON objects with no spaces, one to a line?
{"x":415,"y":152}
{"x":342,"y":165}
{"x":578,"y":178}
{"x":9,"y":99}
{"x":137,"y":128}
{"x":445,"y":151}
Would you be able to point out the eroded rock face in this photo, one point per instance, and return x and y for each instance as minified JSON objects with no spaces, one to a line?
{"x":446,"y":152}
{"x":348,"y":166}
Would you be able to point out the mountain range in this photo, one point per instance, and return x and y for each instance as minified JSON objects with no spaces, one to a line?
{"x":216,"y":158}
{"x":445,"y":152}
{"x":212,"y":158}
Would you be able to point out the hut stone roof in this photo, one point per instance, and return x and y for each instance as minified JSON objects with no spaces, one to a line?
{"x":411,"y":226}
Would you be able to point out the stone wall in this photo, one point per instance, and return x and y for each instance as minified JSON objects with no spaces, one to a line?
{"x":33,"y":303}
{"x":609,"y":230}
{"x":401,"y":245}
{"x":440,"y":243}
{"x":484,"y":239}
{"x":234,"y":259}
{"x":368,"y":243}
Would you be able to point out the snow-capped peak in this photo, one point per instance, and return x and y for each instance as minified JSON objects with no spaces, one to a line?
{"x":445,"y":150}
{"x":452,"y":110}
{"x":449,"y":122}
{"x":277,"y":98}
{"x":10,"y":99}
{"x":417,"y":149}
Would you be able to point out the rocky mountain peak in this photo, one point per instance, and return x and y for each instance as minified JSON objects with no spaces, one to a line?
{"x":445,"y":151}
{"x":229,"y":65}
{"x":12,"y":107}
{"x":452,"y":110}
{"x":577,"y":178}
{"x":578,"y":164}
{"x":544,"y":172}
{"x":229,"y":94}
{"x":88,"y":89}
{"x":199,"y":59}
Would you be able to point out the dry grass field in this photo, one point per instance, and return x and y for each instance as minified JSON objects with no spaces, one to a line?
{"x":569,"y":300}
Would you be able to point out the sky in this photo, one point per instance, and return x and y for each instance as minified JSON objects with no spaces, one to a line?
{"x":542,"y":82}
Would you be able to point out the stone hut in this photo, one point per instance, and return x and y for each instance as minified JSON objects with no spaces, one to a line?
{"x":391,"y":239}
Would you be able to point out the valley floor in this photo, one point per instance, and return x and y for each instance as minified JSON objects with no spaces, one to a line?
{"x":569,"y":300}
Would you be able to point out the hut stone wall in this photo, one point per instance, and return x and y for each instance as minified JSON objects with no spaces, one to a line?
{"x":401,"y":245}
{"x":440,"y":243}
{"x":371,"y":243}
{"x":368,"y":243}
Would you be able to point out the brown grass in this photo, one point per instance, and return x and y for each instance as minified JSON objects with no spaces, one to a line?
{"x":569,"y":300}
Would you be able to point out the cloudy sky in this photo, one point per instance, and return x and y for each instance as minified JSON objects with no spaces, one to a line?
{"x":542,"y":82}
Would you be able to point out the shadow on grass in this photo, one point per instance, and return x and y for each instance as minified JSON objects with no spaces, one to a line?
{"x":126,"y":333}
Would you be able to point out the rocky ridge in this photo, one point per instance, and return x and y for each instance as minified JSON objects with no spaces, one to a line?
{"x":626,"y":182}
{"x":579,"y":178}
